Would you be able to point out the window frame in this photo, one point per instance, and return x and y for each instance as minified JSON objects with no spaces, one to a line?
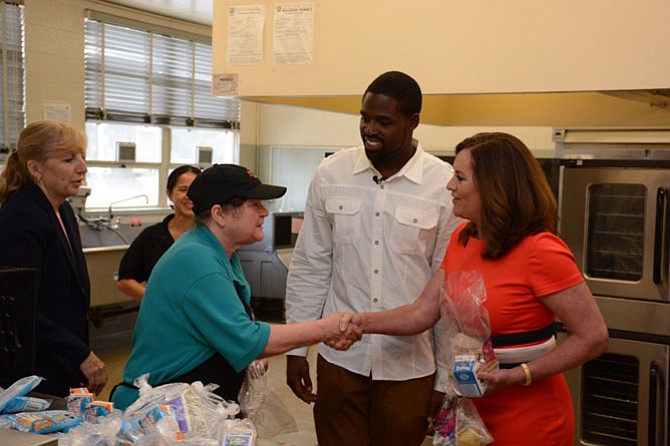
{"x":155,"y":86}
{"x":12,"y":102}
{"x":198,"y":99}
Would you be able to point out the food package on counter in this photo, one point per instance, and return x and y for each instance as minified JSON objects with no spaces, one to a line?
{"x":19,"y":388}
{"x":157,"y":420}
{"x":239,"y":433}
{"x":78,"y":400}
{"x":175,"y":414}
{"x":177,"y":411}
{"x":98,"y":409}
{"x":466,"y":332}
{"x":99,"y":432}
{"x":44,"y":422}
{"x":26,"y":404}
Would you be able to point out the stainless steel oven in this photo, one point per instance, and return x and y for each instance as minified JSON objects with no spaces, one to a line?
{"x":614,"y":216}
{"x":615,"y":219}
{"x":620,"y":398}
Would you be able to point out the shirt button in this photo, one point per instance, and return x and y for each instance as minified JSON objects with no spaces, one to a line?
{"x":376,"y":242}
{"x":374,"y":300}
{"x":376,"y":271}
{"x":341,"y":207}
{"x":376,"y":214}
{"x":415,"y":220}
{"x":381,"y":187}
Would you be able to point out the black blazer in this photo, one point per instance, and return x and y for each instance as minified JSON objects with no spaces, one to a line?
{"x":31,"y":236}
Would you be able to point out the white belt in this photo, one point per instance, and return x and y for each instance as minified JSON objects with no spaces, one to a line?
{"x":517,"y":355}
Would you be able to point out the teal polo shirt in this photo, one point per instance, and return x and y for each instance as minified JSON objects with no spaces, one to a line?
{"x":190,"y":311}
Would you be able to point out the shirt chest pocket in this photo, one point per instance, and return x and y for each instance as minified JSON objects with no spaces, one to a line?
{"x":344,"y":213}
{"x":414,"y":230}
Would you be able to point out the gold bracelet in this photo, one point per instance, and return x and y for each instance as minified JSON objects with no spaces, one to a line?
{"x":526,"y":370}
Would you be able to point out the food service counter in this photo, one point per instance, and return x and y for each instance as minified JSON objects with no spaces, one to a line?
{"x":103,"y":265}
{"x":16,"y":438}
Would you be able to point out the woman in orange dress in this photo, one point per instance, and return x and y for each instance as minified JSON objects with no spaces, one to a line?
{"x":531,"y":279}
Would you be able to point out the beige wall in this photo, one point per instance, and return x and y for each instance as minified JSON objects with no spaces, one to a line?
{"x":476,"y":46}
{"x":55,"y":73}
{"x":54,"y":57}
{"x":282,"y":125}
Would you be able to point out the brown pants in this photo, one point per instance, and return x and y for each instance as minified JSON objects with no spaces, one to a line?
{"x":354,"y":410}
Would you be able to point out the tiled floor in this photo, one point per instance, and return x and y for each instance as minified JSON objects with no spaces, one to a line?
{"x":115,"y":353}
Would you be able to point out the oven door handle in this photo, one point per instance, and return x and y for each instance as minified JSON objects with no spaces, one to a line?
{"x":659,"y":233}
{"x":654,"y":372}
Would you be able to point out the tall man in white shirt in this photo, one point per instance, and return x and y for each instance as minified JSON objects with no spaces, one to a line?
{"x":377,"y":222}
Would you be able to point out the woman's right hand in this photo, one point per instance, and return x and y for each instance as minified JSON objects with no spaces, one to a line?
{"x":95,"y":372}
{"x":341,"y":331}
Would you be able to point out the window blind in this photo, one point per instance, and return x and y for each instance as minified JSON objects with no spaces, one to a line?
{"x":12,"y":113}
{"x":135,"y":75}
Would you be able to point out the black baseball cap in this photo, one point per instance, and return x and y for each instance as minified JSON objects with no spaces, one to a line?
{"x":221,"y":182}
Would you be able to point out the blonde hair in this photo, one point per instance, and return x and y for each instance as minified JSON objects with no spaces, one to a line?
{"x":38,"y":141}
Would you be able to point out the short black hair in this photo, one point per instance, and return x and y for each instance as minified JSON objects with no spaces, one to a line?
{"x":401,"y":87}
{"x":179,"y":171}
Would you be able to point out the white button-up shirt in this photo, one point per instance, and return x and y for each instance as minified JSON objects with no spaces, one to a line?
{"x":372,"y":247}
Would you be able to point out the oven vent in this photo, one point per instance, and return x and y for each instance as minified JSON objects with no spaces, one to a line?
{"x":609,"y":400}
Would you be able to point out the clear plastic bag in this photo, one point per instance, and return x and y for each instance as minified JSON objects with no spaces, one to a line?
{"x":174,"y":414}
{"x":239,"y":433}
{"x":262,"y":406}
{"x":99,"y":432}
{"x":43,"y":422}
{"x":273,"y":418}
{"x":18,"y":388}
{"x":459,"y":423}
{"x":26,"y":404}
{"x":254,"y":388}
{"x":188,"y":412}
{"x":466,"y":331}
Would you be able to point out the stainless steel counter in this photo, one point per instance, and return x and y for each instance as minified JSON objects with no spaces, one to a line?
{"x":285,"y":255}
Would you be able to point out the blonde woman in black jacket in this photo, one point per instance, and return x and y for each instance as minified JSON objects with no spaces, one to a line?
{"x":38,"y":230}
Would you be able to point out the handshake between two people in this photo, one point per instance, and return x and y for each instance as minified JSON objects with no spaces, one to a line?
{"x":342,"y":330}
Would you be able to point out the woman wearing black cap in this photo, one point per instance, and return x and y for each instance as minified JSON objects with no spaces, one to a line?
{"x":195,"y":322}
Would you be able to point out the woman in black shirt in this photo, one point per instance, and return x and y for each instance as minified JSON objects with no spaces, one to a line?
{"x":142,"y":255}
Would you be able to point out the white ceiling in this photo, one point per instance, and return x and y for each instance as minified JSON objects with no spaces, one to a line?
{"x":199,"y":11}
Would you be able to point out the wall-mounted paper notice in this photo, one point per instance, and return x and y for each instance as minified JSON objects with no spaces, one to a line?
{"x":59,"y":111}
{"x":293,"y":34}
{"x":224,"y":84}
{"x":245,"y":34}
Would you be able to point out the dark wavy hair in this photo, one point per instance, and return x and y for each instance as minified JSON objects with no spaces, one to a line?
{"x":517,"y":200}
{"x":230,"y":205}
{"x":401,"y":87}
{"x":179,"y":171}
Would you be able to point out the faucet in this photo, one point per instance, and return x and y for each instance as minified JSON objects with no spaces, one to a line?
{"x":109,"y":211}
{"x":102,"y":223}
